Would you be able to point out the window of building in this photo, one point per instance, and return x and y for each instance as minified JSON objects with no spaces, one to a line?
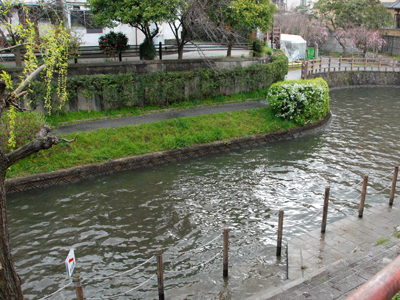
{"x":83,"y":18}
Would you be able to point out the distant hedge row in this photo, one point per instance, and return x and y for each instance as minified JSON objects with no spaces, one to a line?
{"x":163,"y":88}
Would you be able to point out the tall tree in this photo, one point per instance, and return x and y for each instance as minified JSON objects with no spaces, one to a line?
{"x":346,"y":14}
{"x":227,"y":21}
{"x":179,"y":21}
{"x":311,"y":29}
{"x":137,"y":13}
{"x":248,"y":15}
{"x":17,"y":12}
{"x":55,"y":46}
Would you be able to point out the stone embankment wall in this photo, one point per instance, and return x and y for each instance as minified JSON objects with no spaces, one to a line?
{"x":114,"y":85}
{"x":359,"y":78}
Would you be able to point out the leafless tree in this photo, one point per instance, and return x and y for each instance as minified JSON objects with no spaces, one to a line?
{"x":206,"y":22}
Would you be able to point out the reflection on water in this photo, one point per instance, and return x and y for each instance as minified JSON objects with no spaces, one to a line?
{"x":115,"y":223}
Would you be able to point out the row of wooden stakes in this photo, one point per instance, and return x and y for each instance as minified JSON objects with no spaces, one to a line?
{"x":158,"y":254}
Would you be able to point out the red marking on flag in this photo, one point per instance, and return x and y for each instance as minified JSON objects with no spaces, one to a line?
{"x":70,"y":260}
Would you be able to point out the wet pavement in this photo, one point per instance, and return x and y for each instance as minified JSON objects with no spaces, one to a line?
{"x":334,"y":264}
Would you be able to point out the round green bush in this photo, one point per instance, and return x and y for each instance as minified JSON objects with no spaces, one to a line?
{"x":147,"y":50}
{"x":303,"y":101}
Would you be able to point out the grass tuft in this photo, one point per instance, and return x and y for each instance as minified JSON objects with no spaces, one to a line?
{"x":381,"y":241}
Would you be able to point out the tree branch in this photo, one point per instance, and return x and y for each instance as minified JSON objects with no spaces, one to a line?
{"x":16,"y":46}
{"x":15,"y":104}
{"x":25,"y":83}
{"x":69,"y":141}
{"x":43,"y":140}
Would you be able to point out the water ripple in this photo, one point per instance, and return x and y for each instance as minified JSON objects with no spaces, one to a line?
{"x":116,"y":222}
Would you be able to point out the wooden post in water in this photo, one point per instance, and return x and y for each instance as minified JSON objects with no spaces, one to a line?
{"x":225,"y":254}
{"x":396,"y":171}
{"x":340,"y":62}
{"x":325,"y":212}
{"x":160,"y":274}
{"x":287,"y":261}
{"x":280,"y":229}
{"x":363,"y":193}
{"x":78,"y":287}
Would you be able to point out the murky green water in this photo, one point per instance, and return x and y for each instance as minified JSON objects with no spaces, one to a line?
{"x":116,"y":222}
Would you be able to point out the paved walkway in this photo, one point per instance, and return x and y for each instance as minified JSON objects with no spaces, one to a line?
{"x":154,"y":117}
{"x":333,"y":265}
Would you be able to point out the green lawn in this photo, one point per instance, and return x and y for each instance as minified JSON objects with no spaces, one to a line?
{"x":111,"y":143}
{"x":75,"y":117}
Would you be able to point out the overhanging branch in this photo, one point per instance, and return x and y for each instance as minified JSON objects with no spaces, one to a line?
{"x":32,"y":76}
{"x":69,"y":141}
{"x":12,"y":47}
{"x":43,"y":140}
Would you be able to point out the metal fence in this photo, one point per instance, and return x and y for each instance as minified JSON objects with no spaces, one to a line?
{"x":87,"y":52}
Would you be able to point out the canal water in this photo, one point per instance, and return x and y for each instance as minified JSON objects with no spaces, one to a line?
{"x":116,"y":222}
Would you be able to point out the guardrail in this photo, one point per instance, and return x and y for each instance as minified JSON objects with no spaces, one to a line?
{"x":87,"y":52}
{"x":384,"y":285}
{"x":331,"y":64}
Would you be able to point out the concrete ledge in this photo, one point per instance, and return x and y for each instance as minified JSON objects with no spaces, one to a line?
{"x":359,"y":78}
{"x":80,"y":173}
{"x":151,"y":66}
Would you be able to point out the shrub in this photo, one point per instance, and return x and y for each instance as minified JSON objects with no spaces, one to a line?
{"x":258,"y":47}
{"x":26,"y":127}
{"x":147,"y":51}
{"x":303,"y":101}
{"x":267,"y":50}
{"x":114,"y":43}
{"x":161,"y":88}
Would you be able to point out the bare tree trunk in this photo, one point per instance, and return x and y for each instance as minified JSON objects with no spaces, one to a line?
{"x":230,"y":46}
{"x":180,"y":50}
{"x":10,"y":284}
{"x":17,"y":54}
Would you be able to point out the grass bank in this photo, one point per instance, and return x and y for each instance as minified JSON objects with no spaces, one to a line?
{"x":112,"y":143}
{"x":64,"y":118}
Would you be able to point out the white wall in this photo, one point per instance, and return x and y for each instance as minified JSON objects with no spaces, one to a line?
{"x":292,"y":4}
{"x":92,"y":39}
{"x":135,"y":36}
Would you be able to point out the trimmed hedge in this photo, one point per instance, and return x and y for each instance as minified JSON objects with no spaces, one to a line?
{"x":303,"y":101}
{"x":116,"y":90}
